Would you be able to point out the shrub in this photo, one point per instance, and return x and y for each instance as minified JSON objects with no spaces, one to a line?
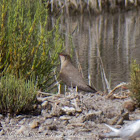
{"x":16,"y":95}
{"x":26,"y":46}
{"x":135,"y":82}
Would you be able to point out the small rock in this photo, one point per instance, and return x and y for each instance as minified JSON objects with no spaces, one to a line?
{"x":76,"y":119}
{"x":39,"y":106}
{"x":1,"y":116}
{"x":22,"y":121}
{"x":65,"y":118}
{"x":44,"y":104}
{"x":68,"y":110}
{"x":56,"y":110}
{"x":129,"y":105}
{"x":35,"y":106}
{"x":0,"y":126}
{"x":21,"y":117}
{"x":21,"y":129}
{"x":7,"y":120}
{"x":90,"y":124}
{"x":41,"y":99}
{"x":113,"y":121}
{"x":76,"y":125}
{"x":125,"y":116}
{"x":34,"y":124}
{"x":79,"y":110}
{"x":41,"y":129}
{"x":120,"y":121}
{"x":48,"y":121}
{"x":52,"y":127}
{"x":91,"y":116}
{"x":2,"y":132}
{"x":13,"y":121}
{"x":45,"y":114}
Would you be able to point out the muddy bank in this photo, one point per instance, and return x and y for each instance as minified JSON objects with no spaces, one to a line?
{"x":71,"y":116}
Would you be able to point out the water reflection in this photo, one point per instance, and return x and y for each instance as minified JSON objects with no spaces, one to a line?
{"x":113,"y":38}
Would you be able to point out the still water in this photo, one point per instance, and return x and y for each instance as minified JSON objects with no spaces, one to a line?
{"x":103,"y":45}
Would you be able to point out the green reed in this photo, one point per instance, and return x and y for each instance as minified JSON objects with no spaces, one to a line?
{"x":135,"y":82}
{"x":16,"y":95}
{"x":27,"y":47}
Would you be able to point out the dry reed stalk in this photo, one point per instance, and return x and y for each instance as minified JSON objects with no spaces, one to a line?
{"x":95,"y":6}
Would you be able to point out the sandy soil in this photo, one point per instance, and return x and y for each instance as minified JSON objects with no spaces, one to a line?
{"x":73,"y":116}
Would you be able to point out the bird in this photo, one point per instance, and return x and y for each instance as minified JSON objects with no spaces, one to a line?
{"x":71,"y":76}
{"x":129,"y":132}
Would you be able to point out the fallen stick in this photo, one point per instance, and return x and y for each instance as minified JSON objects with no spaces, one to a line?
{"x":118,"y":86}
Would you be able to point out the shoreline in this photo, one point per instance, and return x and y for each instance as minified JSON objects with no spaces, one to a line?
{"x":76,"y":7}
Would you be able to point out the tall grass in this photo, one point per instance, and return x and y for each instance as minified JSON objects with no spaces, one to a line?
{"x":26,"y":46}
{"x":16,"y":95}
{"x":135,"y":82}
{"x":90,"y":6}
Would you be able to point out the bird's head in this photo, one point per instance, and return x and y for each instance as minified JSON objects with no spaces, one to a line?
{"x":64,"y":57}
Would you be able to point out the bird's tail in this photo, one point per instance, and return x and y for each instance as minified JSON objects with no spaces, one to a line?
{"x":91,"y":89}
{"x":113,"y":134}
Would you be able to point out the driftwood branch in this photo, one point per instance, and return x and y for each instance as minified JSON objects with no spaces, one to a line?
{"x":118,"y":86}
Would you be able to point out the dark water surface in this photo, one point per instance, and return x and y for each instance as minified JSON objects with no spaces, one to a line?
{"x":103,"y":44}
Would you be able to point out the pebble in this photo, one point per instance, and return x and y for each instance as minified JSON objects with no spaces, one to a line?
{"x":41,"y":129}
{"x":34,"y":124}
{"x":21,"y":122}
{"x":65,"y":118}
{"x":44,"y":104}
{"x":2,"y":132}
{"x":21,"y":129}
{"x":91,"y":116}
{"x":7,"y":120}
{"x":13,"y":121}
{"x":1,"y":116}
{"x":68,"y":110}
{"x":48,"y":121}
{"x":52,"y":127}
{"x":129,"y":105}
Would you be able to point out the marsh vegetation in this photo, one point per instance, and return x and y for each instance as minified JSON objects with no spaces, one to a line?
{"x":28,"y":50}
{"x":89,"y":6}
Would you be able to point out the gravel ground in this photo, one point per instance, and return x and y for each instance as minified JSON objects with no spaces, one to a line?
{"x":73,"y":116}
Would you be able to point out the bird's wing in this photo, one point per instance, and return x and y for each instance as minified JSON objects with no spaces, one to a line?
{"x":114,"y":134}
{"x":128,"y":132}
{"x":65,"y":78}
{"x":112,"y":128}
{"x":132,"y":130}
{"x":110,"y":135}
{"x":71,"y":76}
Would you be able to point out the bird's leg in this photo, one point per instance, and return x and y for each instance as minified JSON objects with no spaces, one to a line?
{"x":65,"y":88}
{"x":59,"y":89}
{"x":76,"y":89}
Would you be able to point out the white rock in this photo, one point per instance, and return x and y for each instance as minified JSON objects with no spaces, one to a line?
{"x":68,"y":109}
{"x":34,"y":124}
{"x":21,"y":129}
{"x":44,"y":104}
